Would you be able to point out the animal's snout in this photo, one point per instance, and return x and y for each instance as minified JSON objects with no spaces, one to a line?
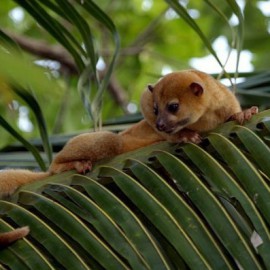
{"x":160,"y":125}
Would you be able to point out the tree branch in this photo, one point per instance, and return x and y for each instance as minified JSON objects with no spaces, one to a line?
{"x":44,"y":50}
{"x":68,"y":66}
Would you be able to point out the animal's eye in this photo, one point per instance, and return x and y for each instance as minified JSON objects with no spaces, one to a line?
{"x":173,"y":107}
{"x":155,"y":110}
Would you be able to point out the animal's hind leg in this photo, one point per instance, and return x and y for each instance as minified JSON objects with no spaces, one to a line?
{"x":245,"y":115}
{"x":80,"y":166}
{"x":82,"y":151}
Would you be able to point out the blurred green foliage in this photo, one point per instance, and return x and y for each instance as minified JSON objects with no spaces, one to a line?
{"x":153,"y":37}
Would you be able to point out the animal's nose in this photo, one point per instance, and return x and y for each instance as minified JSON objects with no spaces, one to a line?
{"x":160,"y":126}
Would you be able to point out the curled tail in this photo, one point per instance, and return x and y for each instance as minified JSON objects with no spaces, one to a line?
{"x":10,"y":237}
{"x":10,"y":180}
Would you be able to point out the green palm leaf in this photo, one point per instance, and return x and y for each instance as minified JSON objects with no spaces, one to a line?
{"x":162,"y":207}
{"x":18,"y":260}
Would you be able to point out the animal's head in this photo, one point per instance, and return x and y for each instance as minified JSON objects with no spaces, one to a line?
{"x":174,"y":102}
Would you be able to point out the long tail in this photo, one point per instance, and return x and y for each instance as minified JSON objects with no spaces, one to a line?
{"x":10,"y":180}
{"x":10,"y":237}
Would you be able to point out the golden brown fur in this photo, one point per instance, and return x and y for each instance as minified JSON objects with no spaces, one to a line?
{"x":201,"y":103}
{"x":10,"y":237}
{"x":214,"y":106}
{"x":204,"y":103}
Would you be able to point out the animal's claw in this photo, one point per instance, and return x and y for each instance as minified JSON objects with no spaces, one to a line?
{"x":245,"y":115}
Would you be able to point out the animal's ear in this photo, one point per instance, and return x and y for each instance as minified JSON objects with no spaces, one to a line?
{"x":150,"y":87}
{"x":197,"y":89}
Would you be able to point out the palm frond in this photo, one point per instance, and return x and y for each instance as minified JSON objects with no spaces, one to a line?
{"x":197,"y":206}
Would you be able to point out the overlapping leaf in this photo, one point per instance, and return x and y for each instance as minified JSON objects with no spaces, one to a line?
{"x":189,"y":206}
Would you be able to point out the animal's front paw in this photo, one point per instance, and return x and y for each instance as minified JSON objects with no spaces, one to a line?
{"x":81,"y":166}
{"x":185,"y":136}
{"x":245,"y":115}
{"x":191,"y":136}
